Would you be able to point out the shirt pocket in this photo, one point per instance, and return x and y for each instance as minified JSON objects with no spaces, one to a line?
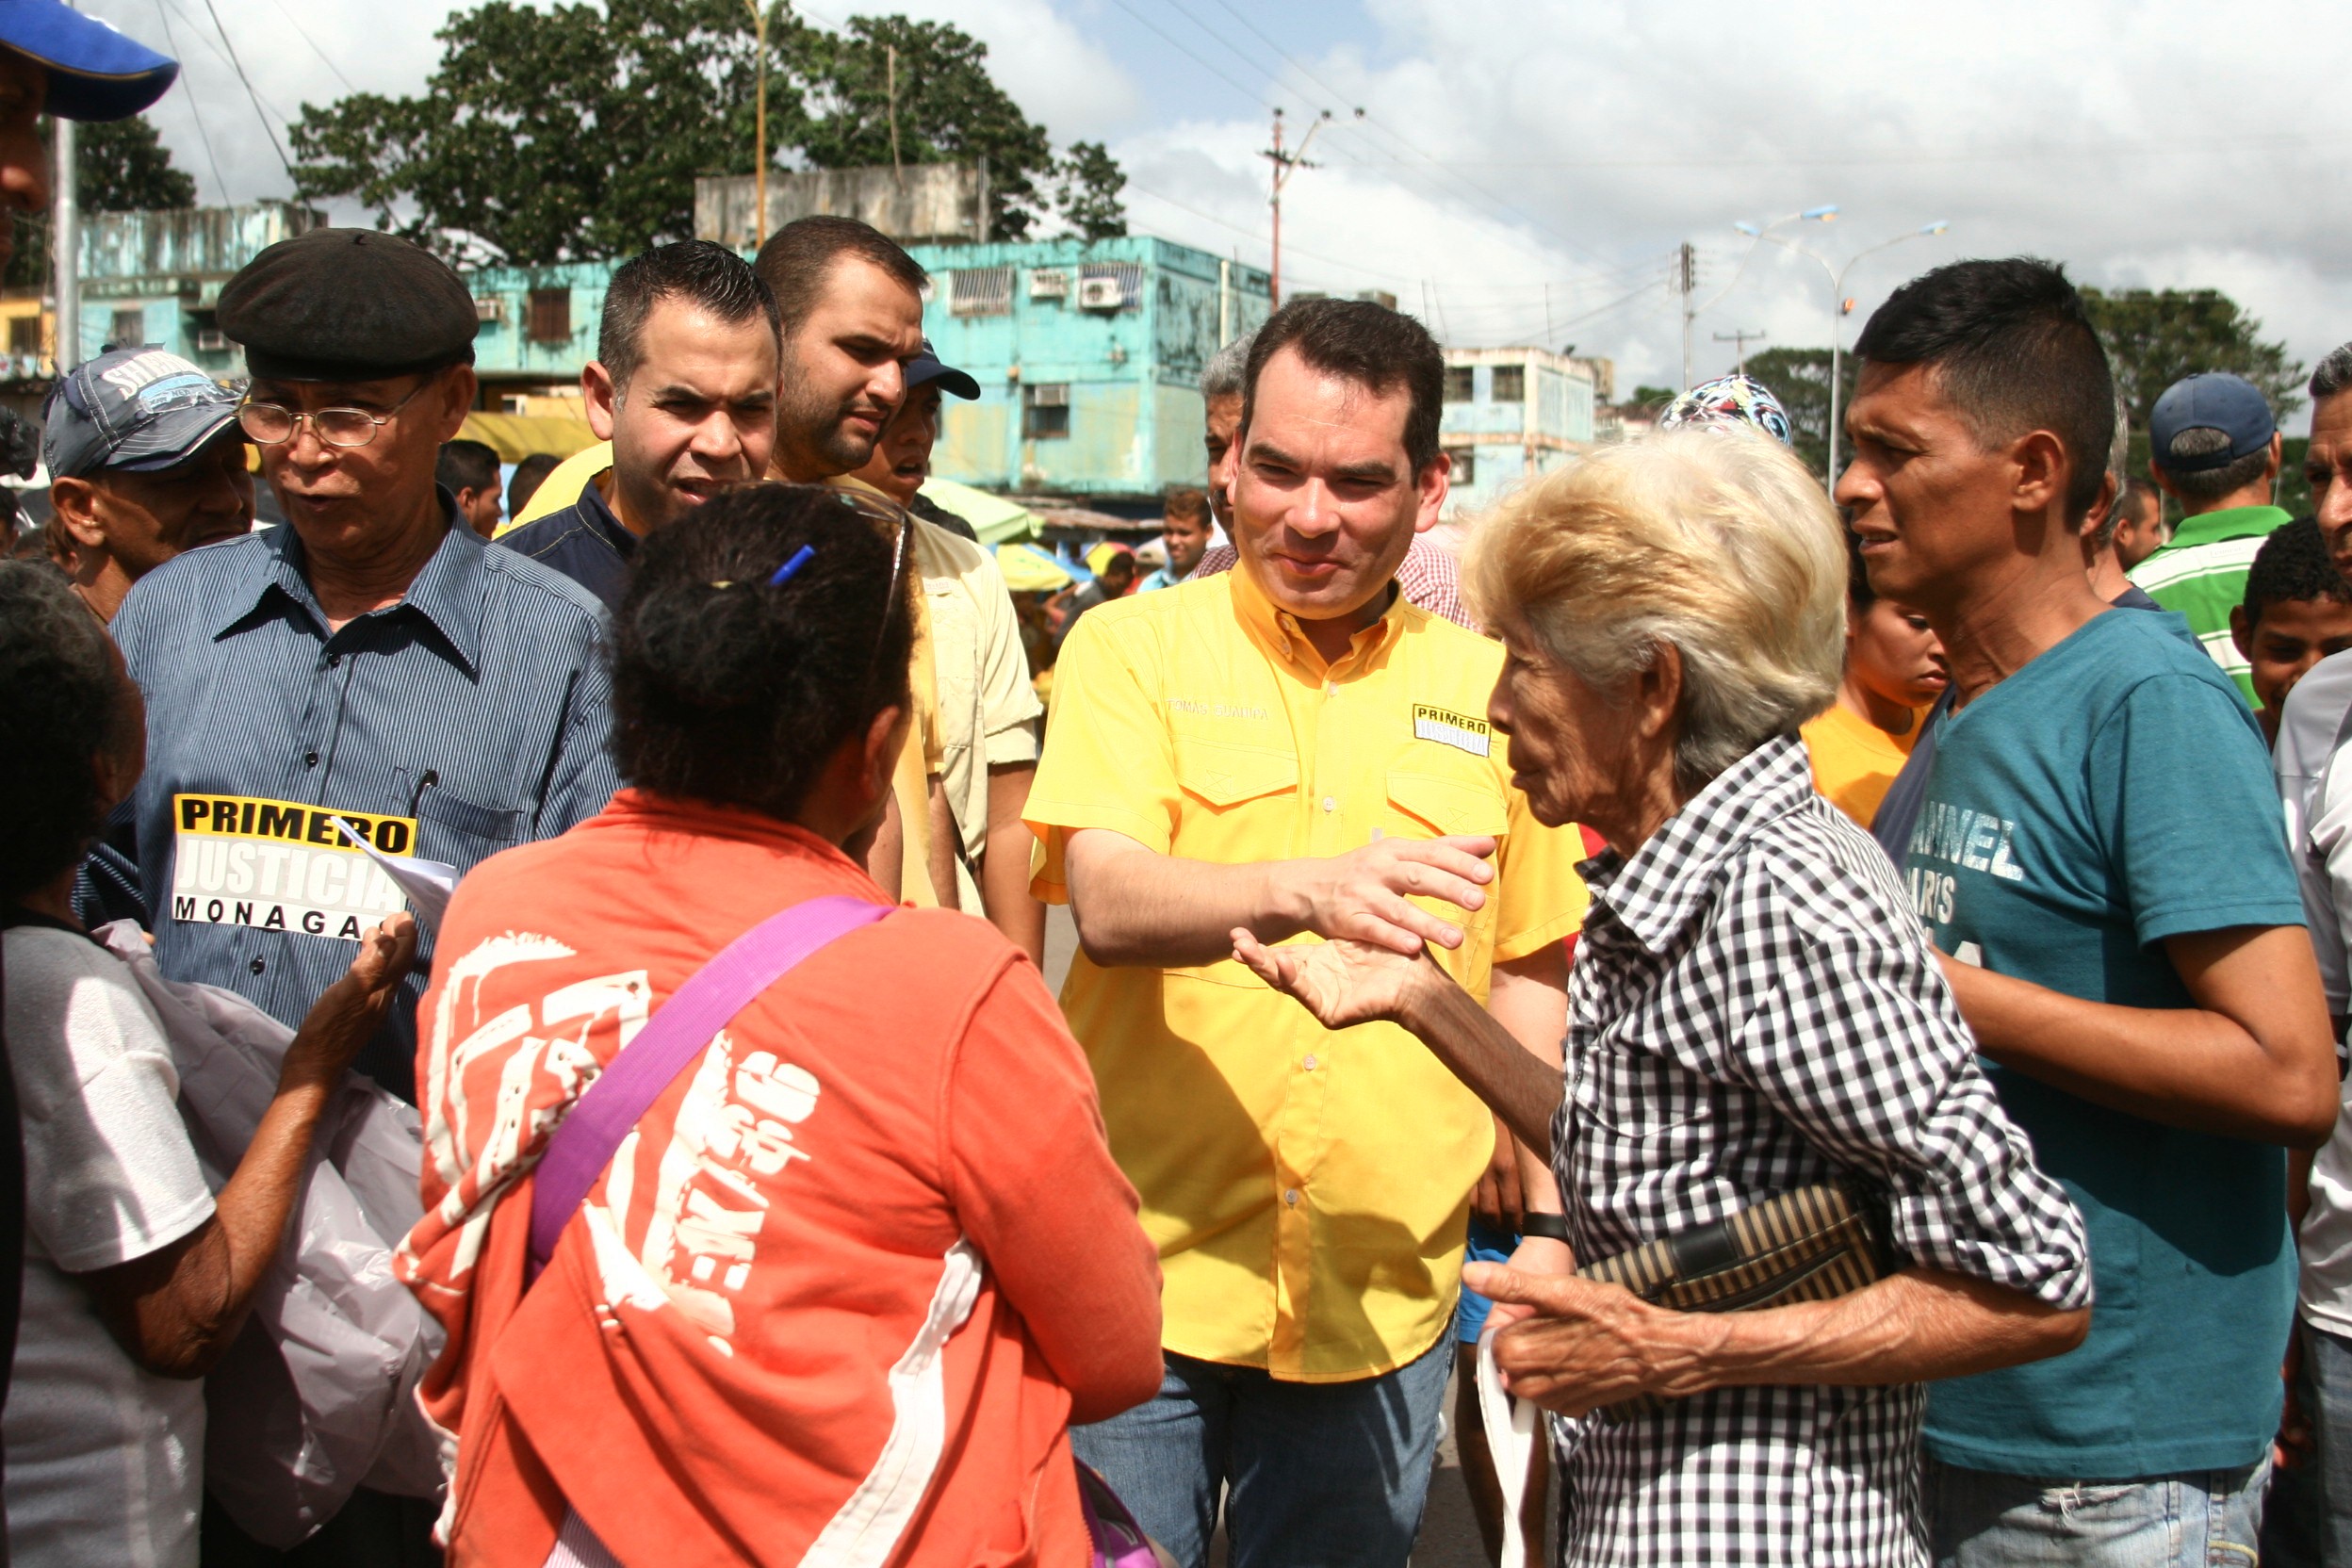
{"x":456,"y":830}
{"x":1432,"y":801}
{"x":1240,"y":802}
{"x":1635,"y":1094}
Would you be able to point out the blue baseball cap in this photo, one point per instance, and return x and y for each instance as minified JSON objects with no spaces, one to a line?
{"x":95,"y":73}
{"x":925,"y":366}
{"x":139,"y":409}
{"x":2211,"y":399}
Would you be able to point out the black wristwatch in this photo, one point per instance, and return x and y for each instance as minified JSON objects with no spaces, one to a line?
{"x":1551,"y":1227}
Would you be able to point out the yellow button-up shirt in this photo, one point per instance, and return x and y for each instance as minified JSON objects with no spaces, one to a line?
{"x":1308,"y":1191}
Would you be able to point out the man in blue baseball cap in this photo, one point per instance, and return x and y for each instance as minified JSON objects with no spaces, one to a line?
{"x":145,"y":461}
{"x":55,"y":61}
{"x":2214,"y":448}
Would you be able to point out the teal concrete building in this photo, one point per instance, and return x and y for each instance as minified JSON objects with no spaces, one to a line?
{"x":1088,"y":356}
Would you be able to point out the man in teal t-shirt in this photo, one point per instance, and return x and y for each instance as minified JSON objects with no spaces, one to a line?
{"x":2101,"y":859}
{"x":2215,"y":449}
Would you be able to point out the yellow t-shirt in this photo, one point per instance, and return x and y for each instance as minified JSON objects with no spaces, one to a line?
{"x":1308,"y":1190}
{"x":1854,"y":762}
{"x":562,"y":485}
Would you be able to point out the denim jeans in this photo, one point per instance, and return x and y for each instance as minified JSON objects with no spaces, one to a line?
{"x":2309,"y":1519}
{"x":1321,"y":1475}
{"x":2203,"y":1519}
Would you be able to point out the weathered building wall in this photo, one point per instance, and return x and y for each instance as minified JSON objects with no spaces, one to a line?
{"x":922,"y":202}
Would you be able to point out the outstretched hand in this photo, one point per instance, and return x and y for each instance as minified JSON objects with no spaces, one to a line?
{"x":1342,"y":983}
{"x":348,"y":1012}
{"x":1581,"y":1345}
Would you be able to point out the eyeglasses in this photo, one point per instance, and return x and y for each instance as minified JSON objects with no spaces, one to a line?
{"x":273,"y":424}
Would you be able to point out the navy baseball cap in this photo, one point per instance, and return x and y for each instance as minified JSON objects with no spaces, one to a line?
{"x":2211,"y":399}
{"x":139,"y":409}
{"x":925,"y":366}
{"x":95,"y":73}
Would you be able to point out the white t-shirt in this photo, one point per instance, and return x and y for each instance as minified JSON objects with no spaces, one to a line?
{"x":105,"y":1460}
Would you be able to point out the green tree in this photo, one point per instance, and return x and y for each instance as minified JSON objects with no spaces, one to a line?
{"x":1086,"y":191}
{"x":577,"y":131}
{"x":118,"y":166}
{"x":1800,"y":379}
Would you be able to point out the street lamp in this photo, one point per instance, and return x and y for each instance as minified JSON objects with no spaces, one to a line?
{"x":1839,"y":305}
{"x":1826,"y":214}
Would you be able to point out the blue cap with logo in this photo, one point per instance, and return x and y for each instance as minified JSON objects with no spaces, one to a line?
{"x":2211,"y":399}
{"x":139,"y":409}
{"x":95,"y":73}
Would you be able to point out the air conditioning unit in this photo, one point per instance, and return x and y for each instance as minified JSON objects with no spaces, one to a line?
{"x":1049,"y":286}
{"x":490,"y":310}
{"x":1101,"y":294}
{"x":212,"y":340}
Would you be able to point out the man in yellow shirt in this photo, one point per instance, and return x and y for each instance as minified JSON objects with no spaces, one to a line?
{"x":1293,"y":746}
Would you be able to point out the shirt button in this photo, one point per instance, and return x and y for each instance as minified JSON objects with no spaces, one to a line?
{"x":1290,"y":1196}
{"x":335,"y":661}
{"x":310,"y":758}
{"x":1330,"y":805}
{"x":257,"y":966}
{"x":1308,"y":1064}
{"x":1331,"y":688}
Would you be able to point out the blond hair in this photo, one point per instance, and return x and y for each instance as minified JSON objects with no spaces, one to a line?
{"x":1717,"y":541}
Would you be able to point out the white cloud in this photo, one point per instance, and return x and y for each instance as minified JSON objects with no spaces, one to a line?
{"x":1555,"y":152}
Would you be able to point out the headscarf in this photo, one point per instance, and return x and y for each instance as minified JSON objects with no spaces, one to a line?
{"x":1727,"y":402}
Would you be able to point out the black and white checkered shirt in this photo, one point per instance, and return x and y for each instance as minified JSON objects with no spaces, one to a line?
{"x":1753,"y":1009}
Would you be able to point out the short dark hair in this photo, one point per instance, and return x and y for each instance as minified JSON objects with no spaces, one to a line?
{"x":2294,"y":564}
{"x":2206,"y":486}
{"x":530,"y":473}
{"x":1184,"y":500}
{"x":466,"y":464}
{"x":800,"y":256}
{"x":699,"y":272}
{"x":2013,"y":348}
{"x":729,"y":690}
{"x":59,"y":711}
{"x":1364,"y":342}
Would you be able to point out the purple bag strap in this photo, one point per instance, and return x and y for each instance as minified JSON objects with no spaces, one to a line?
{"x":671,"y":1041}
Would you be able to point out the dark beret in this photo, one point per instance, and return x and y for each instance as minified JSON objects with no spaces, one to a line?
{"x":348,"y":304}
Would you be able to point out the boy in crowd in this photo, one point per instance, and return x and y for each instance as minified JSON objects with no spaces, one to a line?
{"x":1185,"y":529}
{"x":469,"y":470}
{"x":1894,"y":674}
{"x":2298,"y":611}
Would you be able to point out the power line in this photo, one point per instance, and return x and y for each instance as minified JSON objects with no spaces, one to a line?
{"x":1175,"y":45}
{"x":323,"y":58}
{"x":267,"y":128}
{"x":194,"y":108}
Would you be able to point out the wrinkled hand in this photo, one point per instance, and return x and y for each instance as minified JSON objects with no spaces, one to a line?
{"x":348,"y":1012}
{"x":1361,"y":895}
{"x":1584,"y":1344}
{"x":1342,"y":983}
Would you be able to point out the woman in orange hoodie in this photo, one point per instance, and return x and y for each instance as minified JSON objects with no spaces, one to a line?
{"x":839,"y":1293}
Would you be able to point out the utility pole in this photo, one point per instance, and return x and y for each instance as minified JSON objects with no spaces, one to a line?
{"x":1284,"y":164}
{"x":65,"y":248}
{"x":1739,"y":341}
{"x":1686,"y":279}
{"x":759,"y":130}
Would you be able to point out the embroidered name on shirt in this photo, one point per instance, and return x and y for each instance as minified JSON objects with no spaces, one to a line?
{"x":1448,"y":728}
{"x":282,"y":865}
{"x":1214,"y":710}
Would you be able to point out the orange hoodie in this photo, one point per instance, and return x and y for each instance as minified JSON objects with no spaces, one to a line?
{"x":839,"y":1296}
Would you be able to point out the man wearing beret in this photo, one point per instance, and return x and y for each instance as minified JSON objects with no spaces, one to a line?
{"x":370,"y":669}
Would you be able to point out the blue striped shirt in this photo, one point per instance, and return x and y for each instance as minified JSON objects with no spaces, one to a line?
{"x":474,"y":715}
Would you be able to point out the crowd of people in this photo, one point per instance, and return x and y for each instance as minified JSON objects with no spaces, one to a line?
{"x":1807,"y":991}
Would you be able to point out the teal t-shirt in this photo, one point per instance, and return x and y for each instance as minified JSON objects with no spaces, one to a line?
{"x":2112,"y":793}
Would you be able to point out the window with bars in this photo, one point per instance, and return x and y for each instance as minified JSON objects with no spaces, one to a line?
{"x":128,"y":328}
{"x":1465,"y":468}
{"x":551,"y":316}
{"x":1510,"y":383}
{"x":25,"y":334}
{"x":980,"y":291}
{"x":1460,"y":384}
{"x":1110,"y":285}
{"x":1045,"y":412}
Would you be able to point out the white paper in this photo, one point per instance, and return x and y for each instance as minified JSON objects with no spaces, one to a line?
{"x":427,"y":883}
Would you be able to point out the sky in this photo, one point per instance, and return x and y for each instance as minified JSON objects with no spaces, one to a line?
{"x":1523,"y":172}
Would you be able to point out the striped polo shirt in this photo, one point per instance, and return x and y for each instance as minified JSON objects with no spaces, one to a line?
{"x":2201,"y":575}
{"x":469,"y":717}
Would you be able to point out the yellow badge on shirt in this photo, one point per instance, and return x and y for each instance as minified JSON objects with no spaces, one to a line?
{"x":282,"y":865}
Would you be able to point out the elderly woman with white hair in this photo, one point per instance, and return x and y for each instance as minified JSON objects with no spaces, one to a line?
{"x":1765,"y":1072}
